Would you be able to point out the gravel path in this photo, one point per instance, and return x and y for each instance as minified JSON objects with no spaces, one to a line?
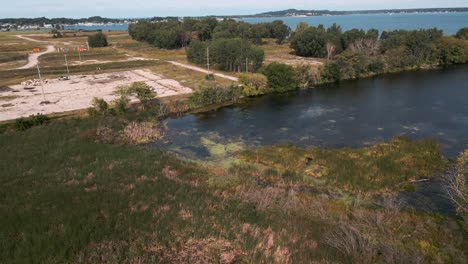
{"x":34,"y":57}
{"x":204,"y":71}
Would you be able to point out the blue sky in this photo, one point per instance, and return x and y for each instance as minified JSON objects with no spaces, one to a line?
{"x":148,"y":8}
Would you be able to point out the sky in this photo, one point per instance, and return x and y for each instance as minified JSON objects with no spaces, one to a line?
{"x":150,"y":8}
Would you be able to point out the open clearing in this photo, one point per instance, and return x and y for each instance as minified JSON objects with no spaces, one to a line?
{"x":77,"y":93}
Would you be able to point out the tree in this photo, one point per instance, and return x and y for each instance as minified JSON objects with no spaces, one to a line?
{"x":97,"y":40}
{"x":281,"y":77}
{"x":351,"y":36}
{"x":279,"y":31}
{"x":227,"y":54}
{"x":462,"y":33}
{"x":452,"y":50}
{"x":309,"y":42}
{"x":196,"y":52}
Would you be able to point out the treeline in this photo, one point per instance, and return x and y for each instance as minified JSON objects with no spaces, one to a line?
{"x":356,"y":53}
{"x":226,"y":54}
{"x":173,"y":34}
{"x":62,"y":20}
{"x":228,"y":42}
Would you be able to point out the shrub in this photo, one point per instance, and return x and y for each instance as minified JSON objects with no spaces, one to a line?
{"x":452,"y":50}
{"x":458,"y":185}
{"x":140,"y":90}
{"x":100,"y":105}
{"x":121,"y":103}
{"x":210,"y":77}
{"x":253,"y":84}
{"x":141,"y":133}
{"x":281,"y":77}
{"x":97,"y":40}
{"x":304,"y":76}
{"x":462,"y":33}
{"x":33,"y":120}
{"x":330,"y":72}
{"x":213,"y":95}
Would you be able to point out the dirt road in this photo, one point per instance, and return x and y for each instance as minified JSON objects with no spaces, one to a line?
{"x":34,"y":58}
{"x":204,"y":71}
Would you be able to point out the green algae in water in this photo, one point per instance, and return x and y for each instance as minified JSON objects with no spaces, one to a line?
{"x":219,"y":149}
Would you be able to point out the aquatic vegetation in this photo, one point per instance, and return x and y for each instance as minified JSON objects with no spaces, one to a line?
{"x":219,"y":149}
{"x":381,"y":167}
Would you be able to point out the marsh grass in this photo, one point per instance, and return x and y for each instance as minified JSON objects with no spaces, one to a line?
{"x":383,"y":167}
{"x":67,"y":199}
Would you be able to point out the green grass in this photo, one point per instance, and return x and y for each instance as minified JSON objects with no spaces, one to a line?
{"x":66,"y":199}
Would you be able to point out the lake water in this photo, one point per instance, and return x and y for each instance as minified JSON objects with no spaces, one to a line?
{"x":449,"y":22}
{"x":418,"y":104}
{"x":114,"y":27}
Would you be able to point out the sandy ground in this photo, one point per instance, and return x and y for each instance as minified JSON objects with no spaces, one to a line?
{"x":77,"y":93}
{"x":34,"y":58}
{"x":204,"y":71}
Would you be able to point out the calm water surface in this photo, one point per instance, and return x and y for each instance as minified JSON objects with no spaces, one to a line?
{"x":420,"y":104}
{"x":450,"y":23}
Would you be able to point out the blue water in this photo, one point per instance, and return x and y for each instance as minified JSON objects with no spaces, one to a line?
{"x":448,"y":22}
{"x":416,"y":104}
{"x":114,"y":27}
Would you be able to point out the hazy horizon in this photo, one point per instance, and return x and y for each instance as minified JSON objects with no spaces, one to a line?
{"x":180,"y":8}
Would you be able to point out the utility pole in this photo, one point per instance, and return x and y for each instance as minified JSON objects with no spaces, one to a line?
{"x":66,"y":63}
{"x":208,"y":58}
{"x":79,"y":53}
{"x":42,"y":85}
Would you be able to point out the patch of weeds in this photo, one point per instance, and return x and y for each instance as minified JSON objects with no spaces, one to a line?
{"x":22,"y":124}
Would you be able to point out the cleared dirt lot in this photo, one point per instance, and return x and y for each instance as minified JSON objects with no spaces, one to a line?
{"x":77,"y":93}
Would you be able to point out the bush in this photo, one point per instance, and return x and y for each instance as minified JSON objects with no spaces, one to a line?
{"x":140,"y":90}
{"x":458,"y":185}
{"x":281,"y":77}
{"x":210,"y":77}
{"x":121,"y":103}
{"x":462,"y":33}
{"x":304,"y":76}
{"x":97,"y":40}
{"x":330,"y":72}
{"x":253,"y":84}
{"x":452,"y":50}
{"x":213,"y":95}
{"x":100,"y":105}
{"x":33,"y":120}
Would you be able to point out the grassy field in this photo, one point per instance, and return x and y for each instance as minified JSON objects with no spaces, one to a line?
{"x":10,"y":77}
{"x":67,"y":198}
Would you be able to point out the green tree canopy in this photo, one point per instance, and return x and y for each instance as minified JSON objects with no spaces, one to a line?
{"x":97,"y":40}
